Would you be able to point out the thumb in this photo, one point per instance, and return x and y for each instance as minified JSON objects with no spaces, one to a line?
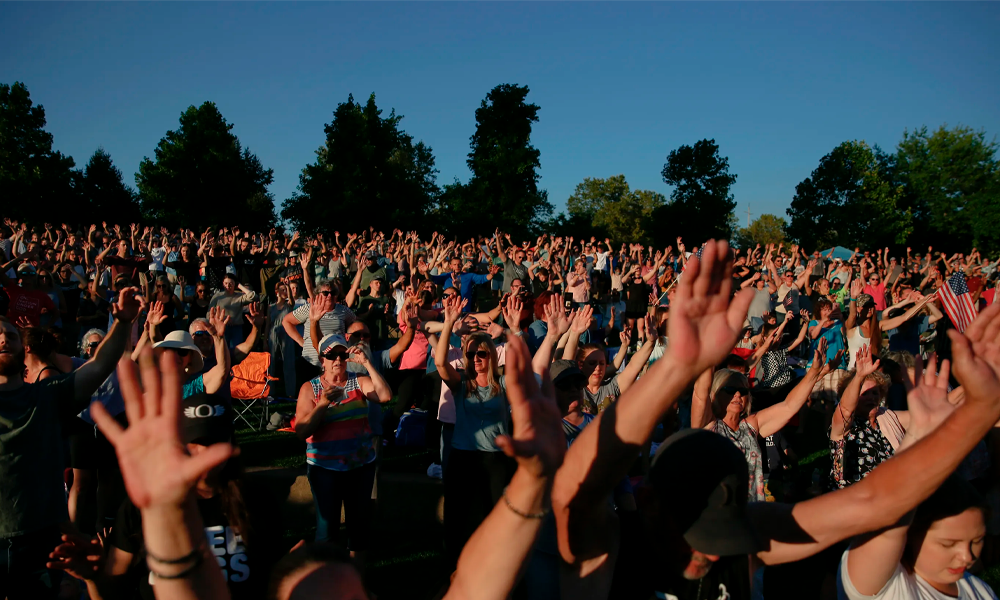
{"x":506,"y":445}
{"x":961,"y":350}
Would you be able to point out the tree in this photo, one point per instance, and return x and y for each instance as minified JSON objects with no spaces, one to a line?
{"x":765,"y":229}
{"x":368,"y":172}
{"x":503,"y":191}
{"x":105,"y":193}
{"x":201,"y":172}
{"x":849,"y":200}
{"x":700,"y":205}
{"x":613,"y":209}
{"x":36,"y":182}
{"x":952,"y":182}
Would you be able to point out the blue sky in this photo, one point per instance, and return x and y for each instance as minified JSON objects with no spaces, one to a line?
{"x":777,"y":85}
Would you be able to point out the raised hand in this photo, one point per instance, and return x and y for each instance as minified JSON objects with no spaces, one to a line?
{"x":704,"y":323}
{"x":128,"y":306}
{"x":581,"y":320}
{"x":976,"y":356}
{"x":453,"y":306}
{"x":857,"y":286}
{"x":156,"y":314}
{"x":257,"y":314}
{"x":218,"y":318}
{"x":625,"y":336}
{"x":512,"y":313}
{"x":537,"y":441}
{"x":156,"y":467}
{"x":863,"y":362}
{"x":928,"y":401}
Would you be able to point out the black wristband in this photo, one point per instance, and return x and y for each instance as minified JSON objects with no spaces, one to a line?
{"x":200,"y":558}
{"x":194,"y":554}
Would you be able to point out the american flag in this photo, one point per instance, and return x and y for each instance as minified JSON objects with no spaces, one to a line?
{"x":957,"y":301}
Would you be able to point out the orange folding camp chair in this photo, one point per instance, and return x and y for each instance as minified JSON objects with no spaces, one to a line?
{"x":250,"y":388}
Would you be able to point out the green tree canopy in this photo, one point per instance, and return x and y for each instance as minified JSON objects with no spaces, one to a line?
{"x":951,"y":180}
{"x":368,"y":172}
{"x":700,"y":205}
{"x":201,"y":173}
{"x":765,"y":229}
{"x":849,"y":200}
{"x":614,"y":210}
{"x":104,"y":190}
{"x":37,"y":182}
{"x":503,"y":191}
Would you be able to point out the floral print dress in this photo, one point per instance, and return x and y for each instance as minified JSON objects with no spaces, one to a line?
{"x":745,"y":438}
{"x":862,"y":448}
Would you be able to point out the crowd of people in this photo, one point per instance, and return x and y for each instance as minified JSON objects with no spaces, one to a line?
{"x":608,"y":421}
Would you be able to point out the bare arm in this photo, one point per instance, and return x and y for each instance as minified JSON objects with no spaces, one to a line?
{"x":452,"y":310}
{"x":217,"y":375}
{"x":773,"y":418}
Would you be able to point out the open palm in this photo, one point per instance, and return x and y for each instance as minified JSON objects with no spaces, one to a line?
{"x":976,"y":355}
{"x":155,"y":465}
{"x":928,"y":402}
{"x":704,"y":324}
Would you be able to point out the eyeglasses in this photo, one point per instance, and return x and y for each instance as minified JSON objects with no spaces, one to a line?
{"x":483,"y":354}
{"x":201,"y":332}
{"x":326,"y":292}
{"x":359,"y":335}
{"x":732,"y":389}
{"x":335,"y":355}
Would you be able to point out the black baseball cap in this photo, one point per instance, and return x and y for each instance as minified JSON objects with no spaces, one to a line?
{"x":564,"y":370}
{"x":206,"y":419}
{"x":701,"y":480}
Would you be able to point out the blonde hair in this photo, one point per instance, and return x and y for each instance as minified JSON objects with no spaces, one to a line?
{"x":474,"y":342}
{"x":880,"y":379}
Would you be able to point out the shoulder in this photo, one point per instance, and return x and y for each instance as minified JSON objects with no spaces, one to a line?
{"x":978,"y":587}
{"x":896,"y":587}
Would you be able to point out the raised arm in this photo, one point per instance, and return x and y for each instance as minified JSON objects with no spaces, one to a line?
{"x":257,"y":318}
{"x":557,"y":325}
{"x":864,"y":366}
{"x":93,"y":373}
{"x":217,"y":375}
{"x":627,"y":377}
{"x":578,"y":326}
{"x":452,"y":312}
{"x":704,"y":325}
{"x":500,"y":252}
{"x":852,"y":318}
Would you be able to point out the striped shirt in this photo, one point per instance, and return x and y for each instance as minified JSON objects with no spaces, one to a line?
{"x":344,"y":440}
{"x":336,"y":321}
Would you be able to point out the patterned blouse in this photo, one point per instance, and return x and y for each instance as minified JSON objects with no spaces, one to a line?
{"x":862,"y":448}
{"x":745,"y":438}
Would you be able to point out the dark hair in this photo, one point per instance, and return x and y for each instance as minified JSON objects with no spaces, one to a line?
{"x":41,"y":342}
{"x":819,"y":305}
{"x":954,"y":497}
{"x":231,"y":276}
{"x":735,"y":361}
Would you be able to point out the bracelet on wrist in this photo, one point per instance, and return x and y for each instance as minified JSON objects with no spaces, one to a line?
{"x":523,"y":515}
{"x":199,"y":558}
{"x":177,"y":561}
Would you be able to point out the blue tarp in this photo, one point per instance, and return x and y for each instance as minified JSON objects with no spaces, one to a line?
{"x":838,"y":252}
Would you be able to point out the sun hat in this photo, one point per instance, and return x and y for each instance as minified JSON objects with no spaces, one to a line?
{"x":182,"y":340}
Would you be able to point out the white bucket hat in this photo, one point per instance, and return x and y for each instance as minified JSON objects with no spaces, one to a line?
{"x":181,"y":340}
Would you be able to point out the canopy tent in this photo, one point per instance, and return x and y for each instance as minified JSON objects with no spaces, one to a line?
{"x":838,"y":252}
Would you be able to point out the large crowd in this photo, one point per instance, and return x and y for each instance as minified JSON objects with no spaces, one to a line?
{"x":610,"y":420}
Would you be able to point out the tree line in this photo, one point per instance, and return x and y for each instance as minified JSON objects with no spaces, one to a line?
{"x":938,"y":187}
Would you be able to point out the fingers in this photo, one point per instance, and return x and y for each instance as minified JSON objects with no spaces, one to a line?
{"x":128,"y":381}
{"x":170,"y":389}
{"x":521,"y":385}
{"x":944,"y":374}
{"x":976,"y":331}
{"x":150,"y":383}
{"x":213,"y":456}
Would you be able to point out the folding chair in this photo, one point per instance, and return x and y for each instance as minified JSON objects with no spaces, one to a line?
{"x":250,"y":387}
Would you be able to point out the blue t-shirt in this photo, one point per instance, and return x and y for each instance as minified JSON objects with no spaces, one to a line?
{"x":835,"y":342}
{"x":480,"y":418}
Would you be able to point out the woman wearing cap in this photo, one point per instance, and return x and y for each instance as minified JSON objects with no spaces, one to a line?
{"x":189,"y":358}
{"x":476,"y":469}
{"x":862,"y":322}
{"x":332,"y":417}
{"x":863,"y":434}
{"x":721,"y":403}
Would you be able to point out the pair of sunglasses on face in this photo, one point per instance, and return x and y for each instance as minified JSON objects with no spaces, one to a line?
{"x":336,"y":354}
{"x":732,"y":389}
{"x":483,"y":354}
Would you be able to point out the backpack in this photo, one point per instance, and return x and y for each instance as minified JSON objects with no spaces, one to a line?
{"x":411,"y":429}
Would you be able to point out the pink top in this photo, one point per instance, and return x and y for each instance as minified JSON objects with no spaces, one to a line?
{"x":415,"y":357}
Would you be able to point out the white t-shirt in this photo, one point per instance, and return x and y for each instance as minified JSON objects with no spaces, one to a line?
{"x":904,"y":585}
{"x":601,"y":262}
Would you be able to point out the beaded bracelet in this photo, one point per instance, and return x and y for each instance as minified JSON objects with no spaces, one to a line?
{"x":523,"y":515}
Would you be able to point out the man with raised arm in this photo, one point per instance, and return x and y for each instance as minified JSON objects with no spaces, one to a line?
{"x":696,"y":517}
{"x":32,"y":494}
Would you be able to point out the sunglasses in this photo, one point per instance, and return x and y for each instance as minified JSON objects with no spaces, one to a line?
{"x":202,"y":332}
{"x":201,"y":291}
{"x":162,"y":286}
{"x":732,"y":389}
{"x":182,"y":352}
{"x":336,"y":354}
{"x":483,"y":354}
{"x":326,"y":292}
{"x":359,"y":335}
